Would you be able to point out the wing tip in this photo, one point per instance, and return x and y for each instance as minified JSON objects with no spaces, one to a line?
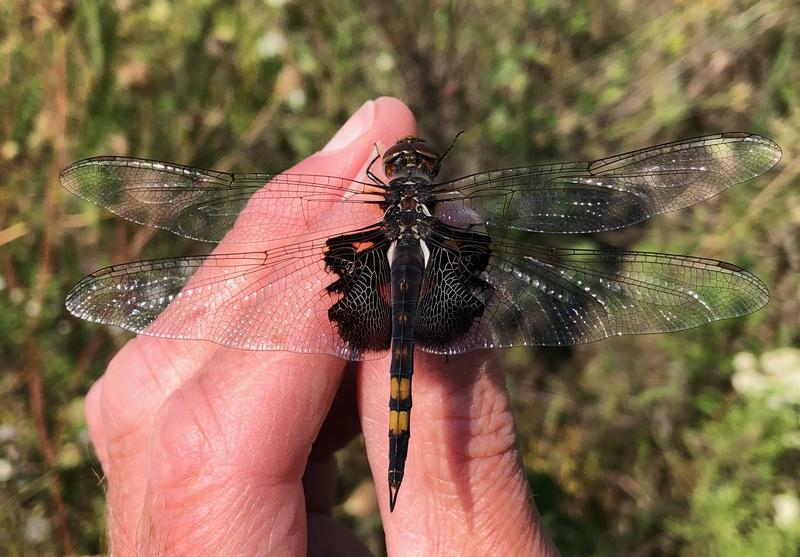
{"x":765,"y":142}
{"x":69,"y":178}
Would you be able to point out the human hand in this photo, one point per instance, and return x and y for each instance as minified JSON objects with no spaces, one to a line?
{"x":206,"y":449}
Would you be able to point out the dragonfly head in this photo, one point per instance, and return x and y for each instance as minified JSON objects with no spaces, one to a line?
{"x":411,"y":155}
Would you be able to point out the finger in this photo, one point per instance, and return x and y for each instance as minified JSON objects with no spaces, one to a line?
{"x":94,"y":422}
{"x":149,"y":370}
{"x":233,"y":441}
{"x":463,"y":472}
{"x":232,"y":444}
{"x":136,"y":383}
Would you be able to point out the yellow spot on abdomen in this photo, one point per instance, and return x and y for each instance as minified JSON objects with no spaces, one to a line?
{"x":403,"y":420}
{"x":404,"y":388}
{"x":401,"y":352}
{"x":398,"y":421}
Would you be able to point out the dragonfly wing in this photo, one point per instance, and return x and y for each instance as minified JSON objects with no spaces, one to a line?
{"x":204,"y":204}
{"x":532,"y":295}
{"x":276,"y":299}
{"x":609,"y":193}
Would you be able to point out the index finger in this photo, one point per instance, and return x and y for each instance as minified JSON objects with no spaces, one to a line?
{"x":241,"y":420}
{"x":464,"y":487}
{"x":236,"y":435}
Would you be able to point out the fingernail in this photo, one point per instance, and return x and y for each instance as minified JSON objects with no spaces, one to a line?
{"x":353,"y":128}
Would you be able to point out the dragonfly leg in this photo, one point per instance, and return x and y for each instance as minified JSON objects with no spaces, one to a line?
{"x":369,"y":172}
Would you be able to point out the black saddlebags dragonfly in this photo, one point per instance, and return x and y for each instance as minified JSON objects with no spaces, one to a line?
{"x":357,"y":268}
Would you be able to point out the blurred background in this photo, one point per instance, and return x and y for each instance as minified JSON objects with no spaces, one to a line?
{"x":687,"y":443}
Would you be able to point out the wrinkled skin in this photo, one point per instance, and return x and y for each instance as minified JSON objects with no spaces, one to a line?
{"x":208,"y":450}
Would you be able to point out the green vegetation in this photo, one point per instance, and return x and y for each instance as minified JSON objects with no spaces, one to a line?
{"x":686,"y":443}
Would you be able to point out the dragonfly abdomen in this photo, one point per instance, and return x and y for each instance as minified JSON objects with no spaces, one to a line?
{"x":407,"y":266}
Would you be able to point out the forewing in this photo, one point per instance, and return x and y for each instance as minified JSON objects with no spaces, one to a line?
{"x":275,"y":299}
{"x":551,"y":296}
{"x":204,"y":204}
{"x":609,"y":193}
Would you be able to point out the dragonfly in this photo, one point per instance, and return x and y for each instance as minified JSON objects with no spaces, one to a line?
{"x":359,"y":268}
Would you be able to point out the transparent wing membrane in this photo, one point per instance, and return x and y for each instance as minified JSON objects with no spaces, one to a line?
{"x":205,"y":204}
{"x":271,"y":300}
{"x":609,"y":193}
{"x":551,"y":296}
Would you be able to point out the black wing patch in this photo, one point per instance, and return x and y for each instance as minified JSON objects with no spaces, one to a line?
{"x":362,"y":315}
{"x":451,"y":300}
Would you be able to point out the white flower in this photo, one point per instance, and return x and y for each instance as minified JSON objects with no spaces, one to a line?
{"x":37,"y":529}
{"x":774,"y":377}
{"x":781,"y":361}
{"x":296,"y":99}
{"x":272,"y":43}
{"x":6,"y":470}
{"x":787,"y":510}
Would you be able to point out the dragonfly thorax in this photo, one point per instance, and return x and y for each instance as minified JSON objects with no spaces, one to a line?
{"x":406,"y":208}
